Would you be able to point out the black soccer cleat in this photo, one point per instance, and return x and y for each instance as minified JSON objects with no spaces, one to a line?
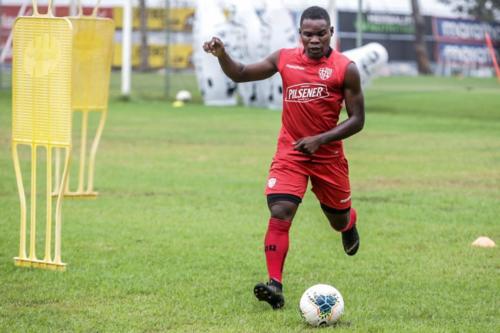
{"x":271,"y":292}
{"x":350,"y":240}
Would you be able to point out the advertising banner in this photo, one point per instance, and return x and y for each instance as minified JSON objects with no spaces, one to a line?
{"x":179,"y":57}
{"x":387,"y":23}
{"x":462,"y":42}
{"x":393,"y":31}
{"x":464,"y":31}
{"x":464,"y":54}
{"x":180,"y":19}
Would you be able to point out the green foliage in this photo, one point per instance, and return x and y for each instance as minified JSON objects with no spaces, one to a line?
{"x":174,"y":241}
{"x":485,"y":10}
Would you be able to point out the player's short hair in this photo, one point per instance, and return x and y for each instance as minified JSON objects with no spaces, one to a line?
{"x":315,"y":13}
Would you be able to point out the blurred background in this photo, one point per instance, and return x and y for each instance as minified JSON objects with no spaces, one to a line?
{"x":429,"y":37}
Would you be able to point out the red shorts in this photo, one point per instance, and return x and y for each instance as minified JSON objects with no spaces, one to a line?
{"x":330,"y":181}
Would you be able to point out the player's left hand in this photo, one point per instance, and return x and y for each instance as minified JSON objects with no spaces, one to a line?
{"x":307,"y":145}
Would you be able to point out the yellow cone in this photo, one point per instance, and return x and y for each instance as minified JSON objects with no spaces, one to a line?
{"x":178,"y":104}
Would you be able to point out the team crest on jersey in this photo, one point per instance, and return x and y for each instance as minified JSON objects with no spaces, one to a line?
{"x":325,"y":73}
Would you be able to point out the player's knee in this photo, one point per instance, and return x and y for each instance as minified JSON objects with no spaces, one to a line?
{"x":282,"y":212}
{"x":283,"y":207}
{"x":338,"y":218}
{"x":339,"y":224}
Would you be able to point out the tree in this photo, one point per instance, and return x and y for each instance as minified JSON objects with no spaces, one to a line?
{"x":483,"y":10}
{"x":423,"y":64}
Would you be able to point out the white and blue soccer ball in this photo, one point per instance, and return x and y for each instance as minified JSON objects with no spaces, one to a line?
{"x":321,"y":305}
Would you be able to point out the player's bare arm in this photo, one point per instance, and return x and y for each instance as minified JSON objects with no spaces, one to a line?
{"x":354,"y":102}
{"x":237,"y":71}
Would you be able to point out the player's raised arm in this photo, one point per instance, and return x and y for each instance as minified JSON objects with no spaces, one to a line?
{"x":239,"y":72}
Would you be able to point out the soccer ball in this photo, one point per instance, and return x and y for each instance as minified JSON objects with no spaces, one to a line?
{"x":321,"y":305}
{"x":183,"y":96}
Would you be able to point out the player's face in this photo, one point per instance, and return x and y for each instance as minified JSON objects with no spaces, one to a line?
{"x":315,"y":36}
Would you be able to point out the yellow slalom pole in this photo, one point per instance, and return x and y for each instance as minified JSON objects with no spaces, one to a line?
{"x":83,"y":150}
{"x":48,"y":227}
{"x":57,"y":174}
{"x":33,"y":204}
{"x":58,"y":217}
{"x":22,"y":199}
{"x":93,"y":151}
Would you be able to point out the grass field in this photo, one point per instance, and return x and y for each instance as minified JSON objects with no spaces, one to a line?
{"x":174,"y":241}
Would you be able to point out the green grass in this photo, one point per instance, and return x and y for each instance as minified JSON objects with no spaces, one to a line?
{"x":174,"y":241}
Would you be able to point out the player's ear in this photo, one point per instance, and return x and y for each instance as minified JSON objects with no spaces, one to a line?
{"x":300,"y":31}
{"x":331,"y":30}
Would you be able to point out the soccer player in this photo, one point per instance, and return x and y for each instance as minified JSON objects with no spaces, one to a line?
{"x":317,"y":80}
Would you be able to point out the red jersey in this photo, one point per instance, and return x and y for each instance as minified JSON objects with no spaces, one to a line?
{"x":313,"y":93}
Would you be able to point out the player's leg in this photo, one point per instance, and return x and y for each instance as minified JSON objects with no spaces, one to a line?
{"x":344,"y":221}
{"x":330,"y":183}
{"x":285,"y":189}
{"x":282,"y":208}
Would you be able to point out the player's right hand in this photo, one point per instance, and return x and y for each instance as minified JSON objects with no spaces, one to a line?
{"x":214,"y":46}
